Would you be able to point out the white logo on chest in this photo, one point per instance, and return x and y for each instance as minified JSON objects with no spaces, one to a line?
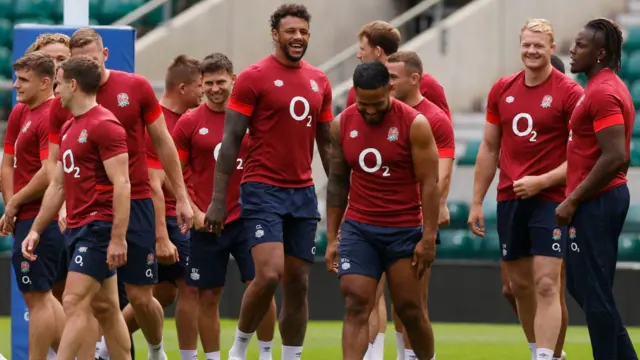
{"x":510,"y":99}
{"x":546,"y":101}
{"x":26,"y":127}
{"x":353,"y":134}
{"x":203,"y":131}
{"x":314,"y":85}
{"x":123,"y":99}
{"x":393,"y":134}
{"x":278,"y":83}
{"x":83,"y":136}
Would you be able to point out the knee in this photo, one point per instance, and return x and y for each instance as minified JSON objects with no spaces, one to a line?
{"x":188,"y":296}
{"x":270,"y":275}
{"x":297,"y":283}
{"x":73,"y":303}
{"x":547,"y":287}
{"x":357,"y":305}
{"x":209,"y":300}
{"x":104,"y":309}
{"x":506,"y":291}
{"x":519,"y":286}
{"x":409,"y":312}
{"x":140,"y":296}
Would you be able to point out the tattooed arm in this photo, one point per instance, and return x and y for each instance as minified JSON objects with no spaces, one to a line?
{"x":323,"y":139}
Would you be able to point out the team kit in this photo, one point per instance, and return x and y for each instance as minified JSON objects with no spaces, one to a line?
{"x":121,"y":204}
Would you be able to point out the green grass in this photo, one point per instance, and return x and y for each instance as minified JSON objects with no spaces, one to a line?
{"x":453,"y":341}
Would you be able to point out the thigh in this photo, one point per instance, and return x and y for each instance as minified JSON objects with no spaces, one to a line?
{"x":88,"y":250}
{"x":403,"y":282}
{"x":399,"y":243}
{"x":209,"y":258}
{"x":241,"y":251}
{"x":358,"y":255}
{"x":513,"y":231}
{"x":547,"y":238}
{"x":142,"y":266}
{"x":38,"y":275}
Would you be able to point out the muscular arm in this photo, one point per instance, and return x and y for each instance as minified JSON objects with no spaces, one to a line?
{"x":425,"y":165}
{"x":52,"y":201}
{"x":168,"y":156}
{"x":7,"y":177}
{"x":487,"y":162}
{"x":35,"y":189}
{"x":611,"y":141}
{"x":235,"y":127}
{"x":323,"y":139}
{"x":555,"y":177}
{"x":338,"y":184}
{"x":445,"y":169}
{"x":156,"y":180}
{"x":117,"y":169}
{"x":52,"y":161}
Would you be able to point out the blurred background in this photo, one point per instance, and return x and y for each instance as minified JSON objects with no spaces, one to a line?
{"x":466,"y":45}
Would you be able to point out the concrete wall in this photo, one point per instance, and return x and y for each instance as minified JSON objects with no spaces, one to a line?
{"x":479,"y":43}
{"x":240,"y":29}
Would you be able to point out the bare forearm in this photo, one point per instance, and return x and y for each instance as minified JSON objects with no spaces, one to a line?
{"x":34,"y":190}
{"x":157,"y":197}
{"x":430,"y":193}
{"x":556,"y":177}
{"x":444,"y":183}
{"x":7,"y":182}
{"x":51,"y":203}
{"x":171,"y":164}
{"x":121,"y":209}
{"x":225,"y":165}
{"x":604,"y":170}
{"x":485,"y":171}
{"x":337,"y":198}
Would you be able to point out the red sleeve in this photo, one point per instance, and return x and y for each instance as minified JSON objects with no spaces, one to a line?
{"x":573,"y":95}
{"x":326,"y":112}
{"x":13,"y":128}
{"x":493,"y":101}
{"x":181,"y":138}
{"x":434,"y":92}
{"x":443,"y":134}
{"x":351,"y":97}
{"x":606,"y":110}
{"x":57,"y":117}
{"x":244,"y":96}
{"x":43,"y":137}
{"x":112,"y":140}
{"x":151,"y":109}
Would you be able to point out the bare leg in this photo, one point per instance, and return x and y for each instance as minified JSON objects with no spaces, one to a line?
{"x":520,"y":273}
{"x":565,"y":315}
{"x":359,"y":292}
{"x":187,"y":316}
{"x":106,"y":308}
{"x":44,"y":331}
{"x":209,"y":319}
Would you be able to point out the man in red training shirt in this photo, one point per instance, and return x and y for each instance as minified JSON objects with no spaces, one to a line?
{"x":198,"y":136}
{"x":527,"y":130}
{"x":92,"y":175}
{"x":597,"y":194}
{"x":386,"y":151}
{"x":286,"y":105}
{"x":405,"y":70}
{"x":25,"y":181}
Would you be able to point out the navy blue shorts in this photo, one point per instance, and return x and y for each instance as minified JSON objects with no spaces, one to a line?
{"x":61,"y":276}
{"x":173,"y":272}
{"x":370,"y":250}
{"x":276,"y":214}
{"x":142,"y":265}
{"x":527,"y":227}
{"x":210,"y":256}
{"x":87,"y":246}
{"x":38,"y":275}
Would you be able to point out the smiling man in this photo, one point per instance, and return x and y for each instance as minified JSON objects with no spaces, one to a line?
{"x":527,"y":118}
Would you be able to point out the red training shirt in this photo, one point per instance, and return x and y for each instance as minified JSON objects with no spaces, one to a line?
{"x":384,"y":190}
{"x":430,"y":89}
{"x":285,"y":104}
{"x":440,"y":127}
{"x":132,"y":100}
{"x":88,"y":141}
{"x":606,"y":102}
{"x":57,"y":117}
{"x":198,"y":136}
{"x":534,"y":122}
{"x":27,"y":140}
{"x":171,"y":118}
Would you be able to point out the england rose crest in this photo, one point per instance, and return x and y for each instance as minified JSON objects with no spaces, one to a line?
{"x":123,"y":99}
{"x":393,"y":134}
{"x":150,"y":259}
{"x":556,"y":234}
{"x":24,"y":267}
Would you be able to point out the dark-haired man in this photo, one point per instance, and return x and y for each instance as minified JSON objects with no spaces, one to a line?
{"x":286,"y":104}
{"x":379,"y":144}
{"x":597,"y":194}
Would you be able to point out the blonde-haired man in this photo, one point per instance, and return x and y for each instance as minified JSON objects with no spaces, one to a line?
{"x":527,"y":132}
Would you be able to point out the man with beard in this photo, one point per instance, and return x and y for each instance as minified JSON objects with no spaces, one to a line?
{"x":286,"y":104}
{"x":198,"y":135}
{"x":379,"y":144}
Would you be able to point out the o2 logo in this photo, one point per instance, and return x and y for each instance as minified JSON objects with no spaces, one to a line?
{"x":528,"y":131}
{"x":68,"y":164}
{"x":305,"y":114}
{"x":378,"y":165}
{"x":216,"y":151}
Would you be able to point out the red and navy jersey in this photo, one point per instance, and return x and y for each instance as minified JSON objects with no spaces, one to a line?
{"x":430,"y":89}
{"x":88,"y":140}
{"x":285,"y":104}
{"x":198,"y":136}
{"x":384,"y":190}
{"x":606,"y":102}
{"x":441,"y":128}
{"x":27,"y":140}
{"x":171,"y":118}
{"x":132,"y":100}
{"x":534,"y":122}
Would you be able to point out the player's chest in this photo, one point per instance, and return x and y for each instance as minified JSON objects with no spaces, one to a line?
{"x":581,"y":123}
{"x":123,"y":104}
{"x":526,"y":114}
{"x":370,"y":149}
{"x":206,"y":141}
{"x":299,"y":96}
{"x":75,"y":145}
{"x":28,"y":138}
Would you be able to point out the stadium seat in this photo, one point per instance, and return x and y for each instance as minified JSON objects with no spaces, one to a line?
{"x":470,"y":153}
{"x":581,"y":79}
{"x":113,"y":10}
{"x":632,"y":70}
{"x":624,"y":60}
{"x":490,"y":210}
{"x":95,"y":8}
{"x":35,"y":8}
{"x":632,"y":223}
{"x":6,"y":8}
{"x":632,"y":41}
{"x":39,"y":21}
{"x":5,"y":244}
{"x":458,"y":213}
{"x":6,"y":63}
{"x":155,"y":17}
{"x":636,"y":127}
{"x":321,"y":242}
{"x":490,"y":246}
{"x":5,"y":101}
{"x":458,"y":244}
{"x":635,"y":93}
{"x":6,"y":32}
{"x":629,"y":247}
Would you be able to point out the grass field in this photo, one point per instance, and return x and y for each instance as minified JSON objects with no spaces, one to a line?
{"x":453,"y":342}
